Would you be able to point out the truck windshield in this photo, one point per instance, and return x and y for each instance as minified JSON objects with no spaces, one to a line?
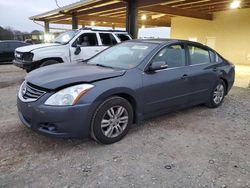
{"x":64,"y":38}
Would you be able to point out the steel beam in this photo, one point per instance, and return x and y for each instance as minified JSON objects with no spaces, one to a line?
{"x":74,"y":21}
{"x":131,"y":18}
{"x":46,"y":27}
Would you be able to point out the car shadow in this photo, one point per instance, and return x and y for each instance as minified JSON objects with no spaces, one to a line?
{"x":20,"y":144}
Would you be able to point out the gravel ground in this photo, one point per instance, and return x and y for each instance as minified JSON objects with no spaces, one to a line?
{"x":197,"y":147}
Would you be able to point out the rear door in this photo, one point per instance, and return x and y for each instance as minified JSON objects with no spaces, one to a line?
{"x":89,"y":47}
{"x":107,"y":40}
{"x":168,"y":88}
{"x":201,"y":72}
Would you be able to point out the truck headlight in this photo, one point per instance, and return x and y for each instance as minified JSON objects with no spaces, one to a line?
{"x":68,"y":96}
{"x":28,"y":56}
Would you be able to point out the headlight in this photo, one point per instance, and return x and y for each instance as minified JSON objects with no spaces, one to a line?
{"x":22,"y":89}
{"x":28,"y":56}
{"x":68,"y":96}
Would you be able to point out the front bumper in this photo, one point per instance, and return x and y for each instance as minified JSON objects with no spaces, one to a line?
{"x":25,"y":65}
{"x":66,"y":122}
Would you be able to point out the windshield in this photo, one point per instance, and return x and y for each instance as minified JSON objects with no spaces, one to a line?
{"x":64,"y":38}
{"x":124,"y":56}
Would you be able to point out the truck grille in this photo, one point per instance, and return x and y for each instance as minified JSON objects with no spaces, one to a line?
{"x":29,"y":93}
{"x":18,"y":55}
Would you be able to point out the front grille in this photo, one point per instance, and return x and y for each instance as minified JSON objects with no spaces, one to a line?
{"x":32,"y":93}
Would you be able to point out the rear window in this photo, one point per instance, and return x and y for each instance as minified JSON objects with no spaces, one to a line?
{"x":107,"y":39}
{"x":123,"y":37}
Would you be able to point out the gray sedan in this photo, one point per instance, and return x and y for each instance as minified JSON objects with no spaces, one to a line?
{"x":127,"y":83}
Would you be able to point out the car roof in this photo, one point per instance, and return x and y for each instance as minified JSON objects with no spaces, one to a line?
{"x":103,"y":30}
{"x":165,"y":41}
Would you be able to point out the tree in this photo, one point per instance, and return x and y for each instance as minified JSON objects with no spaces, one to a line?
{"x":6,"y":34}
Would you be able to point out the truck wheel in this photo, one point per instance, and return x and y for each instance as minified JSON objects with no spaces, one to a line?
{"x":49,"y":62}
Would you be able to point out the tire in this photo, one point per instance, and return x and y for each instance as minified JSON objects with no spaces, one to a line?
{"x":216,"y":99}
{"x":49,"y":62}
{"x":106,"y":129}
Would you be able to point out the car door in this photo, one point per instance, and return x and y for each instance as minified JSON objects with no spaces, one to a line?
{"x":167,"y":89}
{"x":89,"y":47}
{"x":202,"y":73}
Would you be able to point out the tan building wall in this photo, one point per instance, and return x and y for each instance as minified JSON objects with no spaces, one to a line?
{"x":228,"y":33}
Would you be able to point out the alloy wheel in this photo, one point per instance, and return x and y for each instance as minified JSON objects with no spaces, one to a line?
{"x":218,"y":94}
{"x":114,"y":121}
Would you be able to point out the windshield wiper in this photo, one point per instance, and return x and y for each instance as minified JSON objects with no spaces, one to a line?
{"x":106,"y":66}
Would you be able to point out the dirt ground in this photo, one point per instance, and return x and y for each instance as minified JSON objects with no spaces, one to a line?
{"x":197,"y":147}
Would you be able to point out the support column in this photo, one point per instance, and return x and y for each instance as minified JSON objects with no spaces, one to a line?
{"x":74,"y":21}
{"x":46,"y":27}
{"x":131,"y":18}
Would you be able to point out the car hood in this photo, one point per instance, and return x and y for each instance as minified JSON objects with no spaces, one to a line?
{"x":35,"y":47}
{"x":61,"y":75}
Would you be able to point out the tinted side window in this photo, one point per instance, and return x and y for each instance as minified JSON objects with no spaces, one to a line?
{"x":1,"y":47}
{"x":107,"y":39}
{"x":87,"y":39}
{"x":173,"y":55}
{"x":8,"y":47}
{"x":13,"y":46}
{"x":19,"y":44}
{"x":198,"y":55}
{"x":123,"y":37}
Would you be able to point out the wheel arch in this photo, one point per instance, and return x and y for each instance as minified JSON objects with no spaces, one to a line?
{"x":124,"y":93}
{"x":225,"y":82}
{"x":132,"y":101}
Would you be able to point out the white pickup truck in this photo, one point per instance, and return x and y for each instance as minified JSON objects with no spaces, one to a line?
{"x":71,"y":46}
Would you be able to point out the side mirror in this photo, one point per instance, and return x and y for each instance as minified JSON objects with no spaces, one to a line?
{"x":78,"y":50}
{"x":158,"y":65}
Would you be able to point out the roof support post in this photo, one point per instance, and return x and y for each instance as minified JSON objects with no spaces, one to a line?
{"x":74,"y":21}
{"x":131,"y":18}
{"x":46,"y":27}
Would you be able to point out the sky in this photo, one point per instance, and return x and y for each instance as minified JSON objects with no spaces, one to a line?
{"x":16,"y":13}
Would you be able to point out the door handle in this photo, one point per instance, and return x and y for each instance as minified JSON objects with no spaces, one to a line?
{"x":185,"y":76}
{"x":215,"y":69}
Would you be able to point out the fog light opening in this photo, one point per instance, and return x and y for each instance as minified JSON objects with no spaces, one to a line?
{"x":48,"y":127}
